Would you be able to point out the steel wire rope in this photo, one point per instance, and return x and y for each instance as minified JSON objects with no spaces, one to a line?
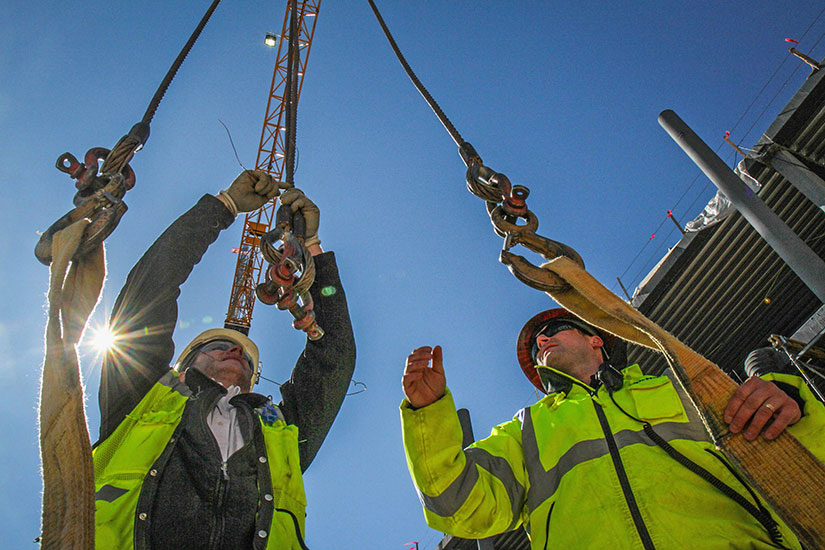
{"x":775,"y":72}
{"x":417,"y":83}
{"x":291,"y":94}
{"x":164,"y":85}
{"x":666,"y":238}
{"x":684,"y":194}
{"x":128,"y":145}
{"x":793,"y":73}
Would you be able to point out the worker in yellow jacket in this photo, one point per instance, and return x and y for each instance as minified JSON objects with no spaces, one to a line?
{"x":189,"y":456}
{"x":610,"y":458}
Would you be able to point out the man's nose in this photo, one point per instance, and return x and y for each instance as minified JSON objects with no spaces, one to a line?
{"x":237,"y":349}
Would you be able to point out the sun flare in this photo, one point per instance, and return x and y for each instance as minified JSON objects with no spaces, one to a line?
{"x":103,"y":339}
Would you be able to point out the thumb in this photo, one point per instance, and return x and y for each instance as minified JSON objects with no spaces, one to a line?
{"x":438,"y":365}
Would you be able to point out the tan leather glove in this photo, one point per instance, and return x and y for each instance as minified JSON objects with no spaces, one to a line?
{"x":250,"y":191}
{"x":297,"y":201}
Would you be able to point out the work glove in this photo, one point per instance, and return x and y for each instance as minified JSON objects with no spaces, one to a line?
{"x":298,"y":202}
{"x":250,"y":191}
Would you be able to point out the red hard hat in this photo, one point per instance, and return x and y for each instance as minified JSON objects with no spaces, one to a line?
{"x":527,"y":336}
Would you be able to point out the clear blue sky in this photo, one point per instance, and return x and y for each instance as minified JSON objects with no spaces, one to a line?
{"x":562,"y":99}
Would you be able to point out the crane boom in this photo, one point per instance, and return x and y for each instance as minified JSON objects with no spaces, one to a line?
{"x":271,"y":153}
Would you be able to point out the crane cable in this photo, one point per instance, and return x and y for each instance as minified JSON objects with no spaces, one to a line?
{"x":68,"y":508}
{"x":291,"y":95}
{"x":772,"y":467}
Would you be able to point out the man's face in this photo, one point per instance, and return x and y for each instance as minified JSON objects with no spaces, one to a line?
{"x":568,"y":350}
{"x":225,"y":362}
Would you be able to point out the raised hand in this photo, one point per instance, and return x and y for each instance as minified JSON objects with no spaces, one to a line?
{"x":424,"y":384}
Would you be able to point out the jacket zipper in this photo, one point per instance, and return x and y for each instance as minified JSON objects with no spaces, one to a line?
{"x":220,"y":491}
{"x":220,"y":494}
{"x":641,"y":528}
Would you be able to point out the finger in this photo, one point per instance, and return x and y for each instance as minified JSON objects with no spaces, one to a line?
{"x":758,"y":421}
{"x":262,"y":181}
{"x":266,"y":187}
{"x":750,"y":406}
{"x":290,"y":195}
{"x":298,"y":204}
{"x":438,"y":365}
{"x":739,"y":397}
{"x":421,"y":352}
{"x":785,"y":416}
{"x":417,"y":365}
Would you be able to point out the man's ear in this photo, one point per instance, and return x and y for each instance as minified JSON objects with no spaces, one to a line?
{"x":596,"y":341}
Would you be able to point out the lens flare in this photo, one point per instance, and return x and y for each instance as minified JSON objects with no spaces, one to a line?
{"x":103,"y":339}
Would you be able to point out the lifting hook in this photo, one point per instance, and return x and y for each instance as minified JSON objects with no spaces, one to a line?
{"x":291,"y":271}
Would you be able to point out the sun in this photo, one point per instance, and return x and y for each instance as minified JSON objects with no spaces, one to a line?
{"x":102,"y":339}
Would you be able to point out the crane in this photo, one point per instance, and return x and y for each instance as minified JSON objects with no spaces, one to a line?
{"x":271,"y":155}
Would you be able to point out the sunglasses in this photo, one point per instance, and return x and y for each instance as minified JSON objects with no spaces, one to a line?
{"x":549,"y":330}
{"x":226,"y":345}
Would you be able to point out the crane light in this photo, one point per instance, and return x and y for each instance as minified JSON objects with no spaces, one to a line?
{"x":271,"y":39}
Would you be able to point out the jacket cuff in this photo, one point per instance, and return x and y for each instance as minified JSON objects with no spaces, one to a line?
{"x":222,"y":213}
{"x":792,"y":385}
{"x":435,"y":411}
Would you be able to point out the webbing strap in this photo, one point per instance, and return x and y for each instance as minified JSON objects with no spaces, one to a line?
{"x":65,"y":448}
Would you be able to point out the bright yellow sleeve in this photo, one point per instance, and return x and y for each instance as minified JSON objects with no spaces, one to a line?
{"x":473,"y":493}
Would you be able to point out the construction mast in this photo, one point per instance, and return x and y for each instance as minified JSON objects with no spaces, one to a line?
{"x":271,"y":154}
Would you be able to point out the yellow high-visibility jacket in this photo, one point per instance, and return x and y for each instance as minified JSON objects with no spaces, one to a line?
{"x":580,"y":473}
{"x":130,"y":462}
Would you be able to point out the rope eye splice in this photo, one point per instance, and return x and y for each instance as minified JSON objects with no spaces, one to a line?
{"x":291,"y":271}
{"x":99,"y":197}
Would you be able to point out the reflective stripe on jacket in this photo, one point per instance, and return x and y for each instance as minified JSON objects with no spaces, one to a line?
{"x":128,"y":463}
{"x":579,"y":473}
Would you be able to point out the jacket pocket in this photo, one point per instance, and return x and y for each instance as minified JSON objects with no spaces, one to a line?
{"x":656,"y":398}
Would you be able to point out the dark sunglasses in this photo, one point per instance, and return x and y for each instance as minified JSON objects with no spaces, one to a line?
{"x":226,"y":345}
{"x":548,"y":330}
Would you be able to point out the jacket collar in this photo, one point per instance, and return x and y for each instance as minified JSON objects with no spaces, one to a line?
{"x":199,"y":382}
{"x":556,"y":381}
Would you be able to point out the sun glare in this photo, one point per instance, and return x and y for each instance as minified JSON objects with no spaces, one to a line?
{"x":102,"y":339}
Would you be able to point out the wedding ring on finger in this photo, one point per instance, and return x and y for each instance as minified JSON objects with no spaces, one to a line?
{"x":770,"y":407}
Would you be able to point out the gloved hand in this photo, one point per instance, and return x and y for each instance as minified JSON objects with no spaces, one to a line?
{"x":297,"y":201}
{"x":250,"y":191}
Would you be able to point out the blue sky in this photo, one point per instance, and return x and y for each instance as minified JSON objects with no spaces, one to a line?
{"x":562,"y":99}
